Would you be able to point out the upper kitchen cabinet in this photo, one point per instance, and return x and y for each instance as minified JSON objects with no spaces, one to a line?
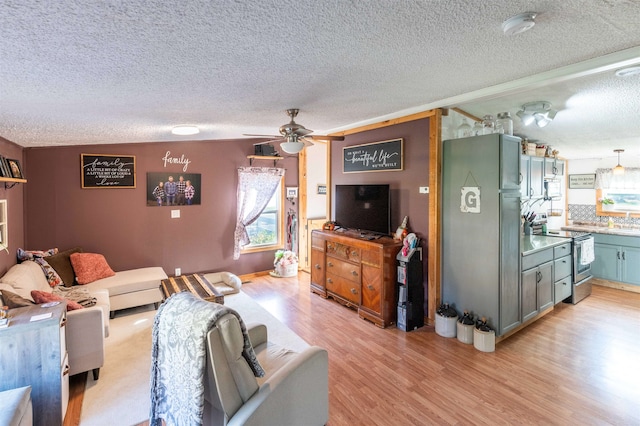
{"x":532,"y":176}
{"x":553,"y":167}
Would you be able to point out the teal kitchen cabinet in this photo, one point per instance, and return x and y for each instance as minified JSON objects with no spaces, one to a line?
{"x":531,"y":176}
{"x":553,"y":167}
{"x":617,"y":258}
{"x":562,"y":265}
{"x":537,"y":283}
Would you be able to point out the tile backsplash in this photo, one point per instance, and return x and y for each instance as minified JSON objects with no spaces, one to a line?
{"x":587,"y":213}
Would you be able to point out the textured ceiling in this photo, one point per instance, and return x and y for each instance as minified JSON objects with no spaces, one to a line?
{"x":116,"y":71}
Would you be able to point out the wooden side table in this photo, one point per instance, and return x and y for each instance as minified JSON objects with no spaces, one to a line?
{"x":196,"y":284}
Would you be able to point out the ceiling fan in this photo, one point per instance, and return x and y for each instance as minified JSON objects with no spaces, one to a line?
{"x":294,"y":137}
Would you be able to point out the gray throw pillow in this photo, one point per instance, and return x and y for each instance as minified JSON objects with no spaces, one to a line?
{"x":13,"y":300}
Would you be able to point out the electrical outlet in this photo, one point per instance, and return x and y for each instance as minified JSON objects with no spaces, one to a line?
{"x":424,"y":189}
{"x":178,"y":272}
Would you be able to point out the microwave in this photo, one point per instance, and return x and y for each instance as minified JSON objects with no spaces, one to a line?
{"x":552,"y":188}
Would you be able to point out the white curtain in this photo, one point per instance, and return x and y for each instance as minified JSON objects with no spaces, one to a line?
{"x":256,"y":186}
{"x":630,"y":179}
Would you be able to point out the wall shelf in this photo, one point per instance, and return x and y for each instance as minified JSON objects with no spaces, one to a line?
{"x":263,"y":157}
{"x":11,"y":182}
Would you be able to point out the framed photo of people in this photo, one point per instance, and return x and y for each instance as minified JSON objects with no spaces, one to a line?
{"x":173,"y":189}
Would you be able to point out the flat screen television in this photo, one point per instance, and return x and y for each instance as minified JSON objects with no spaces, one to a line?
{"x":363,"y":207}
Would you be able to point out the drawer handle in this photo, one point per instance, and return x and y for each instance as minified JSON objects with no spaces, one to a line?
{"x":317,"y":266}
{"x":564,"y":261}
{"x":329,"y":264}
{"x":370,"y":287}
{"x":329,"y":280}
{"x":354,"y":291}
{"x":354,"y":273}
{"x":623,"y":256}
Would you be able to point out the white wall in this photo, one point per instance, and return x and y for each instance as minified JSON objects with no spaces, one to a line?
{"x":316,"y":174}
{"x":589,"y":166}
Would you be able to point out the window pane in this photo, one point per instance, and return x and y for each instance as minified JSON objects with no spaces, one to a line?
{"x":265,"y":231}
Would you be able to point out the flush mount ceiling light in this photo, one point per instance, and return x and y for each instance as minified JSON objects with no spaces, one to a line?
{"x":185,"y":130}
{"x":628,"y":72}
{"x":618,"y":170}
{"x":539,"y":111}
{"x":519,"y":23}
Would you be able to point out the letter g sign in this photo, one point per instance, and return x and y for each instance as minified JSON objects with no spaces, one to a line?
{"x":470,"y":199}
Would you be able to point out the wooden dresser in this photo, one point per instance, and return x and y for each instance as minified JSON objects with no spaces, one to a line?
{"x":356,"y":272}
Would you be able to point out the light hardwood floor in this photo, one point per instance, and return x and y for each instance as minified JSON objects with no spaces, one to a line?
{"x":577,"y":365}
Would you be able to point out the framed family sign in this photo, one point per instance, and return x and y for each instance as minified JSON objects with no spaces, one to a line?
{"x":108,"y":171}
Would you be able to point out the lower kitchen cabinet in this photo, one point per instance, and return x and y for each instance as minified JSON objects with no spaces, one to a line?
{"x":537,"y":283}
{"x":617,"y":258}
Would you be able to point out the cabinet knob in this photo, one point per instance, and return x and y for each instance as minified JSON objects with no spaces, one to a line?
{"x":329,"y":280}
{"x":354,"y":291}
{"x":354,"y":273}
{"x":370,"y":287}
{"x":317,"y":266}
{"x":329,"y":264}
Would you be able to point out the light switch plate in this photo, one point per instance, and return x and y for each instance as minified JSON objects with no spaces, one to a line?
{"x":424,"y":189}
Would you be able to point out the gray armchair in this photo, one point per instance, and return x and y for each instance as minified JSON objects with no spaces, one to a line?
{"x":294,"y":390}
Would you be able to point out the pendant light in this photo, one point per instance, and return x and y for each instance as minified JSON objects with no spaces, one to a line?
{"x":618,"y":170}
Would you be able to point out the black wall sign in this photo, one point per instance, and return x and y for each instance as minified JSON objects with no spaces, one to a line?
{"x":373,"y":157}
{"x":108,"y":171}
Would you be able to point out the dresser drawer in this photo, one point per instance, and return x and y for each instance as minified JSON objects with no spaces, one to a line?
{"x":345,"y":270}
{"x":346,"y":289}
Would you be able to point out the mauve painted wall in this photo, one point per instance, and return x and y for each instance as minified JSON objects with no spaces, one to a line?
{"x":15,"y":207}
{"x":404,"y":185}
{"x":117,"y":222}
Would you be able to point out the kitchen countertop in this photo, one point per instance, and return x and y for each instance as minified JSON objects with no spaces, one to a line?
{"x":594,"y":229}
{"x":530,"y":244}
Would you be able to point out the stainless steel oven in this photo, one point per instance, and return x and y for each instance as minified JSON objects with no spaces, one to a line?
{"x":581,"y":286}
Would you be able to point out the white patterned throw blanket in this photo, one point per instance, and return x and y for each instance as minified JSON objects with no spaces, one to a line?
{"x":178,"y":358}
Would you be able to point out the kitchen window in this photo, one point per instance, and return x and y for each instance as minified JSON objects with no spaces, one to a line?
{"x":618,"y":195}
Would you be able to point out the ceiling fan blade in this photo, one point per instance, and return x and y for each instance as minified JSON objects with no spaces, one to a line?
{"x":261,"y":136}
{"x":326,"y":138}
{"x":271,"y":141}
{"x":307,"y":142}
{"x":301,"y":131}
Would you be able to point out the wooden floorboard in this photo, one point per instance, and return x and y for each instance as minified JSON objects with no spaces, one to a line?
{"x":577,"y":365}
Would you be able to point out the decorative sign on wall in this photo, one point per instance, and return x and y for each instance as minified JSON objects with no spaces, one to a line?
{"x":169,"y":159}
{"x":108,"y":171}
{"x":373,"y":157}
{"x":470,"y":199}
{"x":322,"y":189}
{"x":582,"y":181}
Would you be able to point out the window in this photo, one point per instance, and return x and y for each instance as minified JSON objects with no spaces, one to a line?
{"x":618,"y":195}
{"x":266,"y":233}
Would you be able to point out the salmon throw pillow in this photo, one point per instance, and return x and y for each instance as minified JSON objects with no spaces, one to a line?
{"x":90,"y":267}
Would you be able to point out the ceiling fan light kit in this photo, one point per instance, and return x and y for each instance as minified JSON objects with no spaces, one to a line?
{"x":519,"y":23}
{"x":295,"y":137}
{"x":539,"y":111}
